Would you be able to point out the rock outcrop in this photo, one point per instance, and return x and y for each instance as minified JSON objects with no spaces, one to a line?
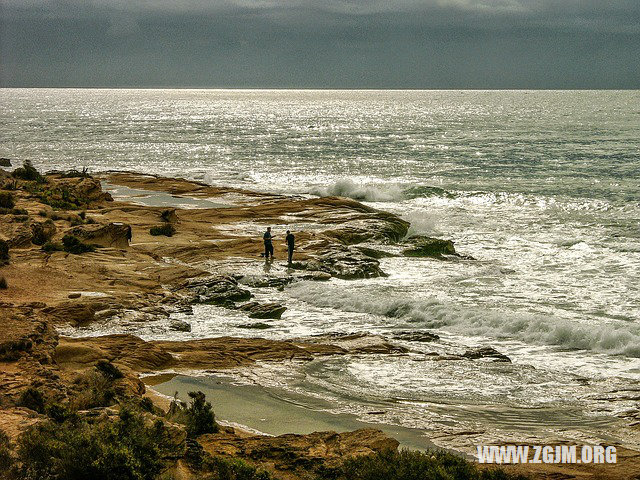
{"x":300,"y":455}
{"x":343,"y":262}
{"x":422,"y":246}
{"x":114,"y":235}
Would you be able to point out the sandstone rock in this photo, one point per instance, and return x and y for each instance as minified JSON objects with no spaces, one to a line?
{"x":301,"y":455}
{"x":373,"y":253}
{"x":257,"y":281}
{"x":486,"y":352}
{"x":263,"y":310}
{"x":422,"y":246}
{"x":74,"y":313}
{"x":111,"y":235}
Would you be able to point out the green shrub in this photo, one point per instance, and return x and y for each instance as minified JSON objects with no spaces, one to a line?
{"x":93,"y":390}
{"x":33,"y":399}
{"x":221,"y":468}
{"x":59,"y":413}
{"x":3,"y":283}
{"x":413,"y":465}
{"x":166,"y":229}
{"x":108,"y":370}
{"x":74,"y":173}
{"x":7,"y":200}
{"x":28,"y":172}
{"x":200,"y":416}
{"x":73,"y":245}
{"x":125,"y":449}
{"x":51,"y":247}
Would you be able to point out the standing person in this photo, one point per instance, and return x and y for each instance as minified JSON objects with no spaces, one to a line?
{"x":268,"y":245}
{"x":291,"y":240}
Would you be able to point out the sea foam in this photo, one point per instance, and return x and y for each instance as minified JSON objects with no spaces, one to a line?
{"x":612,"y":337}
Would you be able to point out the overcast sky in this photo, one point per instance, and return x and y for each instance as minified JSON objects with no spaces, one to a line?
{"x":321,"y":43}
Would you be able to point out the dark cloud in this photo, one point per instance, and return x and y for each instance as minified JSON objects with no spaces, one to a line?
{"x":322,"y":43}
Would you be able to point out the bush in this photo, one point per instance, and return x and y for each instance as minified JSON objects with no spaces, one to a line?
{"x":125,"y":449}
{"x":108,"y":370}
{"x":28,"y":172}
{"x":51,"y":247}
{"x":32,"y":398}
{"x":198,"y":416}
{"x":93,"y":390}
{"x":166,"y":229}
{"x":221,"y":468}
{"x":73,"y":245}
{"x":414,"y":465}
{"x":59,"y":413}
{"x":7,"y":200}
{"x":3,"y":283}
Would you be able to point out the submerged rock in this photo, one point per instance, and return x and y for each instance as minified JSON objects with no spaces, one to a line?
{"x":422,"y":246}
{"x":416,"y":336}
{"x":180,"y":326}
{"x":255,"y":326}
{"x":486,"y":352}
{"x":263,"y":310}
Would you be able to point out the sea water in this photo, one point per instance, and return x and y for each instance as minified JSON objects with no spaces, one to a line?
{"x":541,"y":187}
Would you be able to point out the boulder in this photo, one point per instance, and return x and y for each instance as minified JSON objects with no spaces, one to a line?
{"x":5,"y":162}
{"x":257,"y":281}
{"x":422,"y":246}
{"x":115,"y":235}
{"x":486,"y":352}
{"x":263,"y":310}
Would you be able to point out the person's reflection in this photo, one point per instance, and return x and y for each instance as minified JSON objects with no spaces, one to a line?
{"x":267,"y":264}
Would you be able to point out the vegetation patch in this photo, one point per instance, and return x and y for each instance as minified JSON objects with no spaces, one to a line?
{"x":413,"y":465}
{"x":166,"y":229}
{"x":198,"y":416}
{"x":33,"y":399}
{"x":127,"y":448}
{"x":221,"y":468}
{"x":50,"y":247}
{"x":6,"y":200}
{"x":74,"y":245}
{"x":29,"y":173}
{"x":74,"y":173}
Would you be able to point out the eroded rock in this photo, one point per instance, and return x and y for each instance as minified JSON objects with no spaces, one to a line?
{"x":486,"y":352}
{"x":115,"y":235}
{"x":422,"y":246}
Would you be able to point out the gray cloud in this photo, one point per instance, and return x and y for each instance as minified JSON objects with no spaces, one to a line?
{"x":322,"y":43}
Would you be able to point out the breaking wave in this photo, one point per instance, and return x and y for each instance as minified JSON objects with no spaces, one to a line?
{"x":385,"y":192}
{"x":616,"y":338}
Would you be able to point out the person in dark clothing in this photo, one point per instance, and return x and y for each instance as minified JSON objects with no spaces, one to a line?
{"x":129,"y":233}
{"x":291,"y":240}
{"x":268,"y":245}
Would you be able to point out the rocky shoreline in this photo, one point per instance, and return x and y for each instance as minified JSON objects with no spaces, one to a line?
{"x":69,"y":262}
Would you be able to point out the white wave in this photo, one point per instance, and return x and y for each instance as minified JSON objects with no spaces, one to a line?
{"x":367,"y":193}
{"x":612,"y":337}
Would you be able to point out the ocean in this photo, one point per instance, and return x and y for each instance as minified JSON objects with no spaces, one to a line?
{"x":541,"y":187}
